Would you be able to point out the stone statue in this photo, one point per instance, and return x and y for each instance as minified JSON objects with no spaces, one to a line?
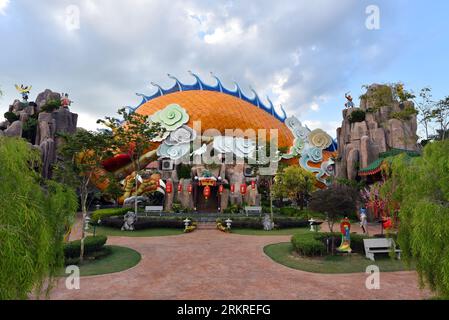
{"x":65,"y":101}
{"x":130,"y":219}
{"x":24,"y":91}
{"x":268,"y":225}
{"x":349,"y":104}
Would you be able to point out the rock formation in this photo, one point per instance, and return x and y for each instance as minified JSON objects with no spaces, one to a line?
{"x":46,"y":129}
{"x":382,"y":123}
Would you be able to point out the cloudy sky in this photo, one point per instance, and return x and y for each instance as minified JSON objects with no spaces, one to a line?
{"x":304,"y":54}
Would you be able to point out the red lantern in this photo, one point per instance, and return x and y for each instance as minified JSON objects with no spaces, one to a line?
{"x":169,"y":187}
{"x":253,"y":185}
{"x":220,"y":189}
{"x":206,"y":192}
{"x":243,"y":188}
{"x":180,"y":187}
{"x":190,"y":189}
{"x":232,"y":188}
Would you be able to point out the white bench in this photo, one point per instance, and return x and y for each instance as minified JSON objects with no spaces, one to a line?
{"x":256,"y":210}
{"x":154,"y":209}
{"x":381,"y":245}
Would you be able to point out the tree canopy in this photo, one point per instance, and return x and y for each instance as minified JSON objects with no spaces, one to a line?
{"x":34,"y":216}
{"x":421,"y":187}
{"x":295,"y":183}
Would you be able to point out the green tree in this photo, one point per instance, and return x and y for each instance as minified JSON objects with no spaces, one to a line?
{"x":441,"y":115}
{"x":335,"y":202}
{"x":296,"y":184}
{"x":34,"y":216}
{"x":82,"y":154}
{"x":425,"y":105}
{"x":132,"y":134}
{"x":420,"y":186}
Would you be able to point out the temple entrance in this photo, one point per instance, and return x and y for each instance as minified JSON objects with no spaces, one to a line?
{"x":210,"y":205}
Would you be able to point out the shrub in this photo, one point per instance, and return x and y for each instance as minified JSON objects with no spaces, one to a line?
{"x":105,"y":213}
{"x":404,"y":114}
{"x":51,"y":106}
{"x":357,"y":116}
{"x":290,"y":211}
{"x":11,"y":117}
{"x":91,"y":246}
{"x":146,"y":223}
{"x":306,"y":245}
{"x":232,"y":209}
{"x":356,"y":240}
{"x":287,"y":223}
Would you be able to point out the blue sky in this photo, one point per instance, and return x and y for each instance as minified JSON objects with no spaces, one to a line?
{"x":305,"y":55}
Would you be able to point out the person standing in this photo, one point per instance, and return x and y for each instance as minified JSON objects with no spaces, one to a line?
{"x":364,"y":220}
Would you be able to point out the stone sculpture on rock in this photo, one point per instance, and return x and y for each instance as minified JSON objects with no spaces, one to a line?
{"x":48,"y":126}
{"x":382,"y":129}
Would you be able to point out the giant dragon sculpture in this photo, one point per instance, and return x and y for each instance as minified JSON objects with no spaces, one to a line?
{"x":177,"y":108}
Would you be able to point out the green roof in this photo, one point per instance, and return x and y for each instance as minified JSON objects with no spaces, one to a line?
{"x":374,"y":167}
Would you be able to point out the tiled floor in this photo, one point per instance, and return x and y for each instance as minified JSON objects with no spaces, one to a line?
{"x":208,"y":264}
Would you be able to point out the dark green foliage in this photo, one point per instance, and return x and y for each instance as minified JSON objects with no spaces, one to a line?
{"x":11,"y":117}
{"x":420,"y":186}
{"x":357,"y":245}
{"x":287,"y":223}
{"x":307,"y":245}
{"x":146,"y":222}
{"x":232,"y":209}
{"x":106,"y":213}
{"x":33,"y":220}
{"x":91,"y":246}
{"x":29,"y":129}
{"x":335,"y":202}
{"x":184,"y":171}
{"x":51,"y":106}
{"x":357,"y":116}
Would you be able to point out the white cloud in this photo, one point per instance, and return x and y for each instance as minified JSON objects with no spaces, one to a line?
{"x":3,"y":5}
{"x":315,"y":107}
{"x":295,"y":51}
{"x":329,"y":126}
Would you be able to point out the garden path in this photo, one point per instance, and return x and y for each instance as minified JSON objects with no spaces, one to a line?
{"x":208,"y":264}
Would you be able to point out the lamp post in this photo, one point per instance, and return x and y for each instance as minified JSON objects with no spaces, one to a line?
{"x":228,"y":223}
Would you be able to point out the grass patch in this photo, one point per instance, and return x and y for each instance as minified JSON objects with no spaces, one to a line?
{"x":154,"y":232}
{"x":284,"y":254}
{"x":280,"y":232}
{"x":119,"y":259}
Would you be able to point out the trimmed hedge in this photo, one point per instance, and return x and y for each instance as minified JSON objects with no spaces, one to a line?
{"x":308,"y":246}
{"x":105,"y":213}
{"x":91,"y":246}
{"x":287,"y":223}
{"x":145,"y":223}
{"x":357,"y":245}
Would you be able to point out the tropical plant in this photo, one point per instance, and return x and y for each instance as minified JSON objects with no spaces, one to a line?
{"x":420,"y":186}
{"x":34,"y":217}
{"x":82,"y":155}
{"x":51,"y":106}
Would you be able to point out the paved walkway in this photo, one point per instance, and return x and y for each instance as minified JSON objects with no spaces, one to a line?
{"x":208,"y":264}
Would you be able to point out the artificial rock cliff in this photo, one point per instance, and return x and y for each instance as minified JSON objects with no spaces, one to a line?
{"x":45,"y":135}
{"x":387,"y":125}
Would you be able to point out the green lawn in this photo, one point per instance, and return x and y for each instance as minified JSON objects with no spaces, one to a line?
{"x":156,"y":232}
{"x":119,"y":259}
{"x":281,"y":232}
{"x":284,"y":254}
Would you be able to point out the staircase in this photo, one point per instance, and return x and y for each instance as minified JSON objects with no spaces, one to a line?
{"x":207,"y":226}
